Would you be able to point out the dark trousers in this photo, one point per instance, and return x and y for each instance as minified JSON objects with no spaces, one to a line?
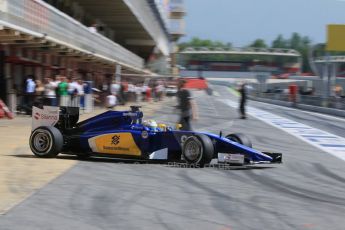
{"x":50,"y":101}
{"x":29,"y":99}
{"x":185,"y":122}
{"x":122,"y":98}
{"x":243,"y":108}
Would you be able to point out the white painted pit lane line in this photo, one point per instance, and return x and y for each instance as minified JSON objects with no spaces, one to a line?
{"x":236,"y":94}
{"x":325,"y":141}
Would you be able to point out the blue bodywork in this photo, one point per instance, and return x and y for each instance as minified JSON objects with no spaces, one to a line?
{"x":150,"y":140}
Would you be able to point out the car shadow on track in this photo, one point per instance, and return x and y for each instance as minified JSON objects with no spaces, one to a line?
{"x":172,"y":165}
{"x":21,"y":155}
{"x":218,"y":166}
{"x":76,"y":158}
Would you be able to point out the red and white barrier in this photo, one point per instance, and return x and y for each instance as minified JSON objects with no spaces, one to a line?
{"x":4,"y":111}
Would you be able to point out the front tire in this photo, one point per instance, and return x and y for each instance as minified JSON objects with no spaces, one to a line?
{"x":240,"y":138}
{"x":198,"y":150}
{"x":46,"y":142}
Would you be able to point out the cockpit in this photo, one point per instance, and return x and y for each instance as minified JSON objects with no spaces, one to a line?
{"x":152,"y":125}
{"x":148,"y":125}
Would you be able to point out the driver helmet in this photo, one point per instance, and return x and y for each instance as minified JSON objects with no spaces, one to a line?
{"x":151,"y":124}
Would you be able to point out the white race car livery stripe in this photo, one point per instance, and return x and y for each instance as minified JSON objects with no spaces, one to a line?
{"x":325,"y":141}
{"x":161,"y":154}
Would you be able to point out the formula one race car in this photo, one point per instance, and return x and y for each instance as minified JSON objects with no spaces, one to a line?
{"x":123,"y":134}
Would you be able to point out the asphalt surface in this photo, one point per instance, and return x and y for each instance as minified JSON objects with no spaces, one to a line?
{"x":306,"y":192}
{"x":331,"y":124}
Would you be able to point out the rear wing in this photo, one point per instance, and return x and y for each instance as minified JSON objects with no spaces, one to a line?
{"x":48,"y":116}
{"x":62,"y":117}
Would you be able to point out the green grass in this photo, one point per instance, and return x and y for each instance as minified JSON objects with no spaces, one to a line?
{"x":234,"y":91}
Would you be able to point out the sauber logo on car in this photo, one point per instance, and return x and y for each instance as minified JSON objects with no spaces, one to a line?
{"x":115,"y":143}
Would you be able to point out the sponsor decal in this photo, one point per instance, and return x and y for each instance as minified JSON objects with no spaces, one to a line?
{"x":115,"y":143}
{"x":115,"y":139}
{"x":37,"y":116}
{"x":48,"y":116}
{"x":129,"y":114}
{"x":115,"y":148}
{"x":144,"y":134}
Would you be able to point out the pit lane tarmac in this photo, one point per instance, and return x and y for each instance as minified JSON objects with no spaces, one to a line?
{"x":305,"y":192}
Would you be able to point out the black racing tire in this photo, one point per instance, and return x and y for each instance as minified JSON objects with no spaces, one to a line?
{"x":198,"y":150}
{"x":240,"y":138}
{"x":46,"y":142}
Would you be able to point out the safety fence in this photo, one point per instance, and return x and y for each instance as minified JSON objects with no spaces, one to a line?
{"x":331,"y":102}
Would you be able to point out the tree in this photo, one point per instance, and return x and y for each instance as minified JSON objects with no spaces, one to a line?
{"x":197,"y":43}
{"x":300,"y":43}
{"x":258,"y":43}
{"x":279,"y":42}
{"x":297,"y":42}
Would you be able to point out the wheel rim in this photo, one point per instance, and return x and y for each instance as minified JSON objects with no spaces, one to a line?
{"x":42,"y":141}
{"x":192,"y":150}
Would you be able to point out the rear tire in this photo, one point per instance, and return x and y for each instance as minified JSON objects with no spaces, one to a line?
{"x":198,"y":150}
{"x":46,"y":142}
{"x":240,"y":138}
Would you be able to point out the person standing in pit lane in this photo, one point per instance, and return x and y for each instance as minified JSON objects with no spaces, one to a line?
{"x":63,"y":91}
{"x":73,"y":91}
{"x":80,"y":93}
{"x":186,"y":105}
{"x":111,"y":101}
{"x":30,"y":90}
{"x":50,"y":92}
{"x":243,"y":100}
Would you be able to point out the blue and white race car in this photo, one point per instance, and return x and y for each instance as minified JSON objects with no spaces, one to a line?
{"x":123,"y":134}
